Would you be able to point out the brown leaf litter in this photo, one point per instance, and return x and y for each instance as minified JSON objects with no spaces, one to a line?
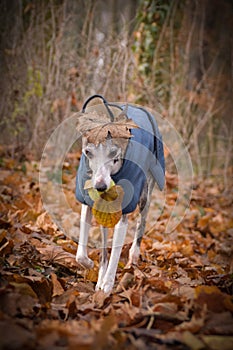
{"x":179,"y":296}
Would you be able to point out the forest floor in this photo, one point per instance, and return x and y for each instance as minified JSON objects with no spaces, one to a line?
{"x":179,"y":296}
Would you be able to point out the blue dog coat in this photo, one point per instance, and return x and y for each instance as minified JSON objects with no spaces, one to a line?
{"x":144,"y":153}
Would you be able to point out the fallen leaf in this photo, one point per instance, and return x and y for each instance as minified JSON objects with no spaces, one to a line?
{"x":126,"y":281}
{"x":18,"y":302}
{"x":203,"y":222}
{"x":195,"y":324}
{"x":107,"y":209}
{"x":158,"y":285}
{"x":44,"y":222}
{"x":167,"y":308}
{"x":215,"y":300}
{"x":219,"y":323}
{"x":193,"y":342}
{"x":55,"y":254}
{"x":6,"y":247}
{"x":15,"y":336}
{"x":102,"y":338}
{"x":57,"y":287}
{"x":134,"y":296}
{"x":216,"y":342}
{"x":92,"y":275}
{"x":100,"y":298}
{"x":24,"y":289}
{"x":97,"y":127}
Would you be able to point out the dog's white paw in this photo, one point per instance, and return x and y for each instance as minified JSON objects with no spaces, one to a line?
{"x":102,"y":271}
{"x":107,"y":286}
{"x":98,"y":286}
{"x":134,"y":254}
{"x":85,"y":261}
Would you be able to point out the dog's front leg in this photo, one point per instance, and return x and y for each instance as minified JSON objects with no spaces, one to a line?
{"x":118,"y":240}
{"x":85,"y":223}
{"x":104,"y":258}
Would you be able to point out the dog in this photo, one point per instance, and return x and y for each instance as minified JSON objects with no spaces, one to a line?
{"x":126,"y":151}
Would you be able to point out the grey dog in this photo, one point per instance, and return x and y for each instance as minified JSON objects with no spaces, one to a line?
{"x":134,"y":161}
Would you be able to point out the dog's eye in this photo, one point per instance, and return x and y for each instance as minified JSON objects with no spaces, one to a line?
{"x":115,"y":160}
{"x":112,"y":154}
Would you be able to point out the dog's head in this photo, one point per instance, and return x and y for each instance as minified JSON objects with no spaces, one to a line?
{"x":104,"y":144}
{"x":105,"y":159}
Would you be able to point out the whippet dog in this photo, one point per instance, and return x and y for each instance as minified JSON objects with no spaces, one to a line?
{"x":135,"y":163}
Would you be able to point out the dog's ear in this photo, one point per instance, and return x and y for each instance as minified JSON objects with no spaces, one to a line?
{"x":84,"y":142}
{"x":109,"y":136}
{"x":123,"y":115}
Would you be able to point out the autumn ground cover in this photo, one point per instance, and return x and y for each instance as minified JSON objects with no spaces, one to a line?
{"x":179,"y":296}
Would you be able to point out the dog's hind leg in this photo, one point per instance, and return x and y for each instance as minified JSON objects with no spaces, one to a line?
{"x":85,"y":223}
{"x":104,"y":258}
{"x":144,"y":205}
{"x":118,"y":240}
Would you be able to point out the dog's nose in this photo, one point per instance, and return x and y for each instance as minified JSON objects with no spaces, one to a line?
{"x":101,"y":186}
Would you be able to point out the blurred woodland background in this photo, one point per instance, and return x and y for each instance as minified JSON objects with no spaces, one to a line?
{"x":171,"y":55}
